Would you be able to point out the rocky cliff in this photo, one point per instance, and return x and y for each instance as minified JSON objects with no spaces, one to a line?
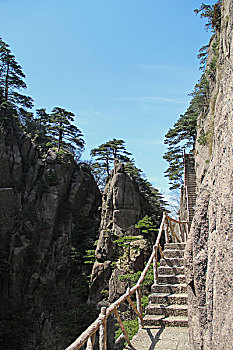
{"x":122,"y":207}
{"x":49,"y":217}
{"x":209,"y":253}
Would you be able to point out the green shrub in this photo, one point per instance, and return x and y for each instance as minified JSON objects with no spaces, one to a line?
{"x":131,"y":327}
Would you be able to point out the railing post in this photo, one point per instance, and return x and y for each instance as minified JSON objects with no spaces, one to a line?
{"x":139,"y":307}
{"x":91,"y":342}
{"x":181,"y":231}
{"x":166,"y":231}
{"x":122,"y":326}
{"x":155,"y":265}
{"x":103,"y":330}
{"x":187,"y":199}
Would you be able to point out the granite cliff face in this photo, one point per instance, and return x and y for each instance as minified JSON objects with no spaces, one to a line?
{"x":209,"y":251}
{"x":48,"y":208}
{"x":122,"y":207}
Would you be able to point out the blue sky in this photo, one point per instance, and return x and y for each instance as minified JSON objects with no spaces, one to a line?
{"x":124,"y":67}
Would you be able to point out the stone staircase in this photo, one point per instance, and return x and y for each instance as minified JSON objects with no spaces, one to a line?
{"x":168,"y":301}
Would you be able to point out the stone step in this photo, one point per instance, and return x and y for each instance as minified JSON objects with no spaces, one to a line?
{"x":170,"y":279}
{"x":169,"y":288}
{"x":167,"y":270}
{"x":173,"y":253}
{"x":168,"y":299}
{"x":171,"y":262}
{"x":176,"y":246}
{"x":171,"y":321}
{"x":167,"y":310}
{"x":191,"y":194}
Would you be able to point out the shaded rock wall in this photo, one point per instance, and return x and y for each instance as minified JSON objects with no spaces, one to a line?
{"x":209,"y":251}
{"x":49,"y":216}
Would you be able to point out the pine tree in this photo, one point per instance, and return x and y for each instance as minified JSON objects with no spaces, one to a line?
{"x":183,"y":134}
{"x":62,"y":132}
{"x":56,"y":129}
{"x":12,"y":80}
{"x":38,"y":127}
{"x":147,"y":227}
{"x":154,"y":203}
{"x":212,"y":13}
{"x":106,"y":153}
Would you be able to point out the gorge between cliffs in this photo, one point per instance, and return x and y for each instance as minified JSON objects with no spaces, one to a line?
{"x":76,"y":234}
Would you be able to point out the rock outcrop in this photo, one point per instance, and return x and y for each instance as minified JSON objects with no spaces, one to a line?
{"x":209,"y":251}
{"x":122,"y":207}
{"x":48,"y":210}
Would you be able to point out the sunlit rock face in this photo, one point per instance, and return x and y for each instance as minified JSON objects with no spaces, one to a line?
{"x":122,"y":207}
{"x":209,"y":251}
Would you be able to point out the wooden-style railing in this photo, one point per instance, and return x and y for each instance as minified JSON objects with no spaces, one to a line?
{"x":187,"y":203}
{"x":174,"y":231}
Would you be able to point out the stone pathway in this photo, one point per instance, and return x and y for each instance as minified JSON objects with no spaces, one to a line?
{"x":161,"y":338}
{"x":166,"y":319}
{"x":168,"y":301}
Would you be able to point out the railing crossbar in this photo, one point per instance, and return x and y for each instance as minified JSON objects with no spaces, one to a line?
{"x":122,"y":326}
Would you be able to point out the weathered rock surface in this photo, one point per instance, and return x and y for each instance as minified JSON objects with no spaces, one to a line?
{"x":209,"y":252}
{"x":48,"y":209}
{"x":122,"y":207}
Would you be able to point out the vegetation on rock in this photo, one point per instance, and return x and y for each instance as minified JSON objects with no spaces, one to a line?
{"x":182,"y":136}
{"x":212,"y":13}
{"x":57,"y":129}
{"x":12,"y":81}
{"x":105,"y":155}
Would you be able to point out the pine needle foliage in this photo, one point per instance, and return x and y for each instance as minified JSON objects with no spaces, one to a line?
{"x":183,"y":134}
{"x":12,"y":81}
{"x":106,"y":154}
{"x":212,"y":13}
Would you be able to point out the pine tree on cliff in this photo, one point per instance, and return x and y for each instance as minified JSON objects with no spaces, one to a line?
{"x":106,"y":153}
{"x":212,"y":13}
{"x":58,"y":128}
{"x":12,"y":80}
{"x":183,"y":134}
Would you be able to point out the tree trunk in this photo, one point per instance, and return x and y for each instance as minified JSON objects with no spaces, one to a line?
{"x":107,"y":166}
{"x":60,"y":136}
{"x":7,"y":81}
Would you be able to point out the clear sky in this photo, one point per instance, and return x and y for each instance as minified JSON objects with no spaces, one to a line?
{"x":124,"y":67}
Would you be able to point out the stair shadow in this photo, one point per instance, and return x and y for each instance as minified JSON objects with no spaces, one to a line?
{"x":155,"y":339}
{"x":171,"y":263}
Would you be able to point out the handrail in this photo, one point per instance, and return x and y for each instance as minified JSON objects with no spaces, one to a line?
{"x":176,"y":221}
{"x":187,"y":202}
{"x":100,"y":323}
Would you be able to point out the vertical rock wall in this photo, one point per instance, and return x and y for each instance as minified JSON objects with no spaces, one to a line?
{"x":122,"y":207}
{"x":209,"y":252}
{"x":48,"y":211}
